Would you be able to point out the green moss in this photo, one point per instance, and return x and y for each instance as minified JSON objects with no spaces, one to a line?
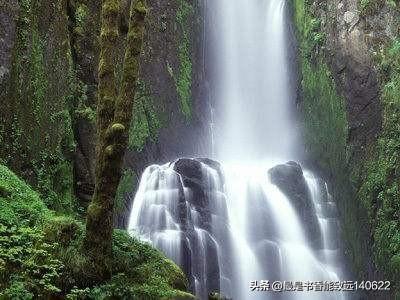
{"x":39,"y":81}
{"x":325,"y":117}
{"x":86,"y":113}
{"x":377,"y":202}
{"x":380,"y":190}
{"x":324,"y":109}
{"x":326,"y":128}
{"x":183,"y":80}
{"x":145,"y":120}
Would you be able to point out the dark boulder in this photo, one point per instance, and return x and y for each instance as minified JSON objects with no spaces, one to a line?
{"x":197,"y":172}
{"x":289,"y":178}
{"x":189,"y":169}
{"x":202,"y":185}
{"x":214,"y":165}
{"x":202,"y":177}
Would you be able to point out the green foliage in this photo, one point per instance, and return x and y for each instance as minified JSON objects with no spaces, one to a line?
{"x":324,"y":110}
{"x":41,"y":255}
{"x":145,"y":120}
{"x":87,"y":113}
{"x":380,"y":191}
{"x":80,"y":16}
{"x":368,"y":7}
{"x":126,"y":185}
{"x":183,"y":81}
{"x":19,"y":203}
{"x":27,"y":263}
{"x":77,"y":99}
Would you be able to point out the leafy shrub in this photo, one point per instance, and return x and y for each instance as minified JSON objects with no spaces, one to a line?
{"x":27,"y":263}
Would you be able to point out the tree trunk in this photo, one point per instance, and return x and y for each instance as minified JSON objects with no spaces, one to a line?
{"x":114,"y":115}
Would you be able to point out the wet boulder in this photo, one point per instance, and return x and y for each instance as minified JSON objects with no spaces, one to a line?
{"x":289,"y":178}
{"x":190,"y":169}
{"x":202,"y":173}
{"x":216,"y":166}
{"x":202,"y":180}
{"x":202,"y":184}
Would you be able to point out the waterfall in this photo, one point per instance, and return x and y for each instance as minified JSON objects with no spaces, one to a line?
{"x":253,"y":95}
{"x":228,"y":225}
{"x":254,"y":216}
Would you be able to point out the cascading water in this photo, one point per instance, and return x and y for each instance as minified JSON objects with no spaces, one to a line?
{"x":229,"y":225}
{"x":253,"y":92}
{"x":251,"y":217}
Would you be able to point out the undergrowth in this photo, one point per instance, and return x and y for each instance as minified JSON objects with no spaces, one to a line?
{"x":41,"y":255}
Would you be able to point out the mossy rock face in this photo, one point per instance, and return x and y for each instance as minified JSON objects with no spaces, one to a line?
{"x":366,"y":71}
{"x":35,"y":125}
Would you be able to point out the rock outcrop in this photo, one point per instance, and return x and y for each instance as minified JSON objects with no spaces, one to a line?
{"x":290,"y":180}
{"x":351,"y":39}
{"x":201,"y":180}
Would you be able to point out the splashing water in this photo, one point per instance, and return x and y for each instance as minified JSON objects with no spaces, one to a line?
{"x":234,"y":226}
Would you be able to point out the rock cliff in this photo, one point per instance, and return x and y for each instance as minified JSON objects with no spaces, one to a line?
{"x":49,"y":57}
{"x":349,"y":85}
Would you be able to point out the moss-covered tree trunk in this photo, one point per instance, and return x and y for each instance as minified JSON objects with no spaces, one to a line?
{"x":114,"y":114}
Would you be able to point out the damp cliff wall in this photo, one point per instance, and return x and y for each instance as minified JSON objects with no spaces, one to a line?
{"x":48,"y":82}
{"x":349,"y":78}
